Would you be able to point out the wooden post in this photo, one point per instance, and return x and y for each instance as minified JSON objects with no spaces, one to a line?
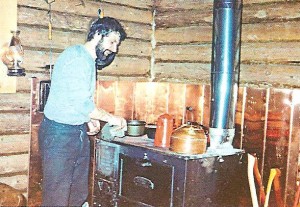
{"x":8,"y":22}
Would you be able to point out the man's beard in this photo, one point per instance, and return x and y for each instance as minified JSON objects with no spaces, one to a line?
{"x":100,"y":53}
{"x":103,"y":60}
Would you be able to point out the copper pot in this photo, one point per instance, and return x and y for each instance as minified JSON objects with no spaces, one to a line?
{"x":189,"y":139}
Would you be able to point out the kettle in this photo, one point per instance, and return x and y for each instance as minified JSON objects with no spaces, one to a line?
{"x":189,"y":139}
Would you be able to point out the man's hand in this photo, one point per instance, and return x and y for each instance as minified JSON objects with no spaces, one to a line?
{"x":93,"y":127}
{"x":118,"y":121}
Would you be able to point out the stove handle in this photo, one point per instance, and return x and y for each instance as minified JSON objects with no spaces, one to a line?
{"x":143,"y":182}
{"x":145,"y":162}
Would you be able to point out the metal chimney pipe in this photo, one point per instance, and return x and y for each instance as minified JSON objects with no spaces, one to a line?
{"x":225,"y":65}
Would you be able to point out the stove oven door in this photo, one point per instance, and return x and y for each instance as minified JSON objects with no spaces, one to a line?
{"x":145,"y":183}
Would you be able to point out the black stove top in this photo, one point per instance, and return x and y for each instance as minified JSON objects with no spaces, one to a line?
{"x":145,"y":142}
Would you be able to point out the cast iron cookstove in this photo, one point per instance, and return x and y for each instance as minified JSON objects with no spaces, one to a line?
{"x":131,"y":172}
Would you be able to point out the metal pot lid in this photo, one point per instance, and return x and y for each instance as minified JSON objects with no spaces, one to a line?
{"x":135,"y":123}
{"x":189,"y":132}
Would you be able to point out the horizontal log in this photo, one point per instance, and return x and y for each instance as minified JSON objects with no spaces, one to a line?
{"x":14,"y":163}
{"x":39,"y":39}
{"x":201,"y":33}
{"x":182,"y":72}
{"x":14,"y":123}
{"x":127,"y":66}
{"x":181,"y":18}
{"x":262,"y":32}
{"x":35,"y":60}
{"x":251,"y":13}
{"x":14,"y":101}
{"x":192,"y":4}
{"x":262,"y":75}
{"x":135,"y":48}
{"x":146,"y":4}
{"x":61,"y":21}
{"x":270,"y":75}
{"x":19,"y":182}
{"x":271,"y":12}
{"x":24,"y":83}
{"x":269,"y":52}
{"x":245,"y":2}
{"x":90,"y":9}
{"x":166,"y":5}
{"x":35,"y":16}
{"x":124,"y":13}
{"x":14,"y":143}
{"x":120,"y":66}
{"x":274,"y":31}
{"x":184,"y":53}
{"x":138,"y":31}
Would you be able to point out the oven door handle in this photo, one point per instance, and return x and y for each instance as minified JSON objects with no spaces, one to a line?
{"x":143,"y":182}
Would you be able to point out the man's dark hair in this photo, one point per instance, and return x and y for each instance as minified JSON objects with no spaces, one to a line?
{"x":104,"y":26}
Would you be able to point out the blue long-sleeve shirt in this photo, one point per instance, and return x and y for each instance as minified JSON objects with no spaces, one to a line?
{"x":73,"y":83}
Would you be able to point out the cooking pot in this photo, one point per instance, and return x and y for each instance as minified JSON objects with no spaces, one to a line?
{"x":189,"y":139}
{"x":135,"y":128}
{"x":150,"y":130}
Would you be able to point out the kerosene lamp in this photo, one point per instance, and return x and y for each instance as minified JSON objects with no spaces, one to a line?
{"x":13,"y":56}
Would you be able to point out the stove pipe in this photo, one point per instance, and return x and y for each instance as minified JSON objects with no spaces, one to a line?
{"x":225,"y":66}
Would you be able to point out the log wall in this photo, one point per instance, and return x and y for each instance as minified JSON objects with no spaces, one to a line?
{"x":168,"y":41}
{"x":270,"y":54}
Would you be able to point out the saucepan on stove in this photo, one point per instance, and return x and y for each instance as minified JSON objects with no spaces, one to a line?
{"x":151,"y":130}
{"x":136,"y":128}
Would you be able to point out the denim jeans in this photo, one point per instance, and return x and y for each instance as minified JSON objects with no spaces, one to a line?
{"x":65,"y":151}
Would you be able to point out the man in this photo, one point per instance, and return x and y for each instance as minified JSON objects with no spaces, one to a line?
{"x":63,"y":139}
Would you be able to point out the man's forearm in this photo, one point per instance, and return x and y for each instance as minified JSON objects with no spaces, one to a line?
{"x":101,"y":114}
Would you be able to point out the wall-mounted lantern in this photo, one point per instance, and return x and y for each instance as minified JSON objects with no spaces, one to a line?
{"x":12,"y":56}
